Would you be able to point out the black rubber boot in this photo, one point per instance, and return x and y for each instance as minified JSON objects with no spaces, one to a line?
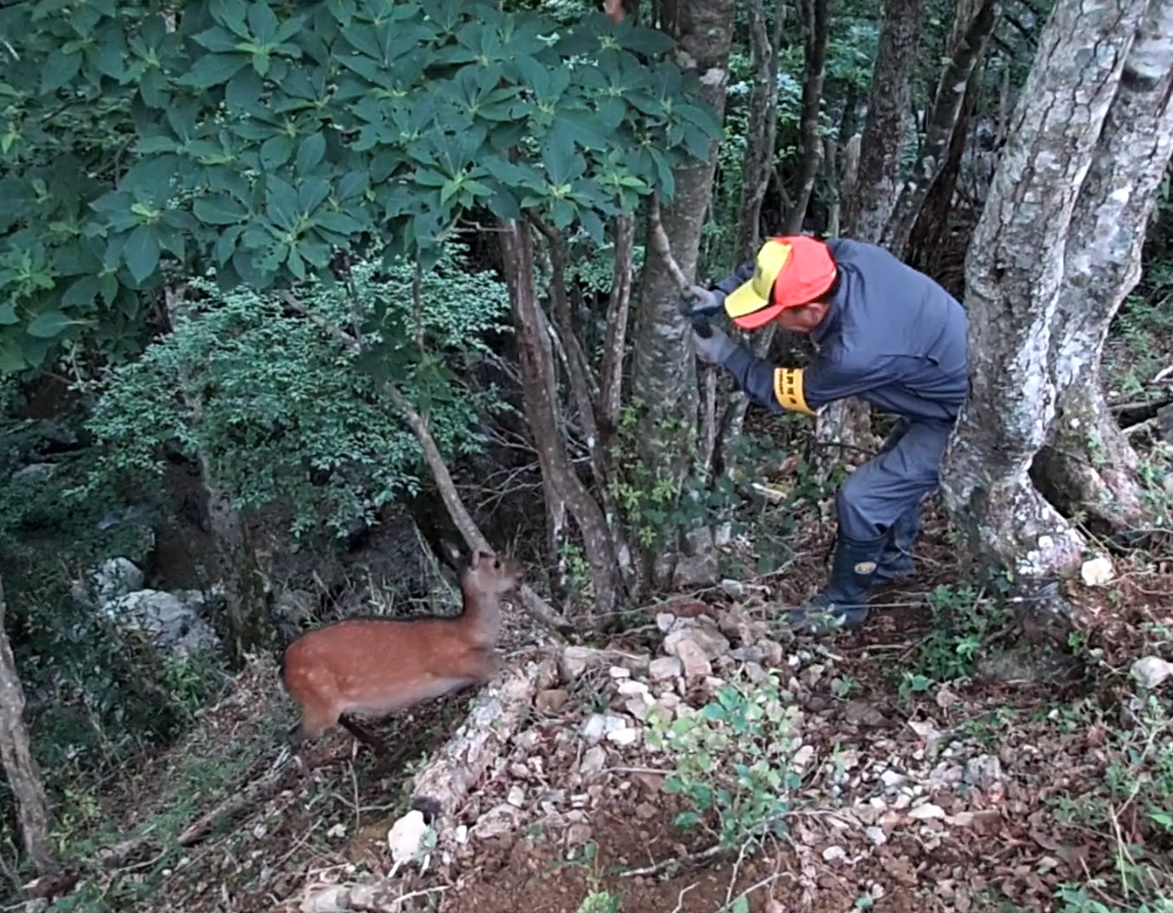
{"x":895,"y":560}
{"x":843,"y":604}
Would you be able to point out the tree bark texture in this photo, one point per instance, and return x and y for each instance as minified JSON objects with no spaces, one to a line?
{"x":24,"y":779}
{"x":758,"y":165}
{"x":870,"y":206}
{"x":974,"y":22}
{"x":564,"y":490}
{"x":1015,"y":280}
{"x":1091,"y":466}
{"x":664,"y":364}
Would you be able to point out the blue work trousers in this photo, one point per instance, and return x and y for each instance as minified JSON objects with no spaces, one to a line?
{"x":885,"y":494}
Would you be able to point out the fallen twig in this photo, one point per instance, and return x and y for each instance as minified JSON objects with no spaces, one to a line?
{"x":196,"y":831}
{"x":661,"y":867}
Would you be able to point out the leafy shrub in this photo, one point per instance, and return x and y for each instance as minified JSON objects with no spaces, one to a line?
{"x":282,"y":409}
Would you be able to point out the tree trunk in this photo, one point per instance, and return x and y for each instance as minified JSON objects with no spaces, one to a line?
{"x":564,"y":490}
{"x":869,"y":208}
{"x":664,"y":369}
{"x":246,"y":606}
{"x":816,"y":15}
{"x":32,"y":807}
{"x":1015,"y":279}
{"x":845,"y":424}
{"x":815,"y":26}
{"x":762,"y":126}
{"x":973,"y":24}
{"x":1090,"y":466}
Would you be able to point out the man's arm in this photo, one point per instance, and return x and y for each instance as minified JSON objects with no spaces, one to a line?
{"x":778,"y":389}
{"x":808,"y":389}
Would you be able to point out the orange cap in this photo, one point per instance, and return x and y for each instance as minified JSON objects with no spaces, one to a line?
{"x":790,"y":271}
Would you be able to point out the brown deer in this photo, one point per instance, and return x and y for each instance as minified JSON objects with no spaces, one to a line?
{"x":376,"y":666}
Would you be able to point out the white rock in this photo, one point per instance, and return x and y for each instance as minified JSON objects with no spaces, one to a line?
{"x":877,"y":836}
{"x":802,"y":758}
{"x":628,"y":735}
{"x":1097,"y":571}
{"x":516,"y":796}
{"x":501,"y":819}
{"x":892,"y":780}
{"x":593,"y":727}
{"x":712,"y":642}
{"x":632,"y":688}
{"x":665,"y":667}
{"x":983,"y":772}
{"x":618,"y":672}
{"x":594,"y":759}
{"x":834,"y":854}
{"x":1150,"y":671}
{"x":926,"y":811}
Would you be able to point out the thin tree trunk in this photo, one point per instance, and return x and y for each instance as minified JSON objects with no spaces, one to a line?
{"x":758,"y":166}
{"x":973,"y":24}
{"x":845,"y":424}
{"x":584,"y":391}
{"x":664,"y":369}
{"x":563,"y":488}
{"x":1091,"y":467}
{"x":237,"y":566}
{"x":24,"y":779}
{"x":869,"y":208}
{"x":815,"y":18}
{"x":1016,"y":283}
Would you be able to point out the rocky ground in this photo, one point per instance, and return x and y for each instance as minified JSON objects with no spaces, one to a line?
{"x":705,"y":762}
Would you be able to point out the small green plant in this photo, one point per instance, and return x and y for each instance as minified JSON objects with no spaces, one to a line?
{"x":733,"y":761}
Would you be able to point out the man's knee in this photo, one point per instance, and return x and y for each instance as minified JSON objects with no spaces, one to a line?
{"x":862,"y":508}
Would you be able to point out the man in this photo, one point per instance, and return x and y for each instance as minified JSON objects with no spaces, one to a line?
{"x":885,"y":333}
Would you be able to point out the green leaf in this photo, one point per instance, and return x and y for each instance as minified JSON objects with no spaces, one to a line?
{"x":243,"y":92}
{"x":58,"y":69}
{"x":646,"y":41}
{"x":141,"y":253}
{"x":263,"y":23}
{"x":8,"y":315}
{"x":214,"y":70}
{"x":310,"y":152}
{"x":218,"y":40}
{"x":218,"y":210}
{"x":49,"y":324}
{"x":281,"y":202}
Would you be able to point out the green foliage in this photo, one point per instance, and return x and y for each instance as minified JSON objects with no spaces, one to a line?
{"x":261,"y":138}
{"x":732,"y":761}
{"x":272,"y":401}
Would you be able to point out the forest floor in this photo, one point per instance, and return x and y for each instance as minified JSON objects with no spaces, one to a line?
{"x":922,"y":763}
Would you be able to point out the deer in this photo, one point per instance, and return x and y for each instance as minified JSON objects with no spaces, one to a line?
{"x":375,"y":666}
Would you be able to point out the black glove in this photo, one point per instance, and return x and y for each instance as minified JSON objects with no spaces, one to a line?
{"x":698,"y":305}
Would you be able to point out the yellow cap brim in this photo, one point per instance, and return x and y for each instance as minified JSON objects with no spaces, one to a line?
{"x":743,"y":301}
{"x":753,"y":297}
